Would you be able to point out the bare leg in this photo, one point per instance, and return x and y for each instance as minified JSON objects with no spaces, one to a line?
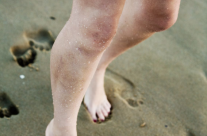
{"x":139,"y":20}
{"x":75,"y":56}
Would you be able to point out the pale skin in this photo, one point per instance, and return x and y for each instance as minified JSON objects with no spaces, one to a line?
{"x":78,"y":60}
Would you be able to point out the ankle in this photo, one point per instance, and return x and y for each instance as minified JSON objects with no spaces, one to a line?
{"x":62,"y":129}
{"x":101,"y":69}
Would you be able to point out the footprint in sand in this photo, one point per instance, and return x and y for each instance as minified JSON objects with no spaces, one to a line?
{"x":123,"y":87}
{"x":41,"y":39}
{"x":23,"y":55}
{"x":7,"y":107}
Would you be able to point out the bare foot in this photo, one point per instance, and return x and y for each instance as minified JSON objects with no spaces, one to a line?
{"x":95,"y":98}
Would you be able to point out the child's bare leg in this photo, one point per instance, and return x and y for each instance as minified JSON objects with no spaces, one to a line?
{"x":139,"y":20}
{"x":75,"y":56}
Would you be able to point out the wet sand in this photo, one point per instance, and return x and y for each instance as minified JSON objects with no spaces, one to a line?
{"x":158,"y":88}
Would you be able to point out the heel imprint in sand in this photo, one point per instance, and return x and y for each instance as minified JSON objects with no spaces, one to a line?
{"x":124,"y":88}
{"x":23,"y":55}
{"x":42,"y":39}
{"x":7,"y":107}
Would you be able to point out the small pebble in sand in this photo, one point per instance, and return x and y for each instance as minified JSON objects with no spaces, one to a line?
{"x":22,"y":76}
{"x":52,"y":18}
{"x":143,"y":124}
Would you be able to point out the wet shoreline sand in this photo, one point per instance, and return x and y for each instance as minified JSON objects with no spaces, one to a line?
{"x":158,"y":88}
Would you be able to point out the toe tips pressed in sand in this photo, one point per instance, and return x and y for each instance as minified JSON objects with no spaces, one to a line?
{"x":7,"y":107}
{"x":23,"y":55}
{"x":42,"y":39}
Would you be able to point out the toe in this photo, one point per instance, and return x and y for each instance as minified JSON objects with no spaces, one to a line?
{"x":104,"y":112}
{"x":100,"y":114}
{"x":93,"y":115}
{"x":106,"y":108}
{"x":108,"y":104}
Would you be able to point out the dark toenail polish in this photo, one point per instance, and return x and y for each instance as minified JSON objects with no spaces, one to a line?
{"x":102,"y":120}
{"x":94,"y":120}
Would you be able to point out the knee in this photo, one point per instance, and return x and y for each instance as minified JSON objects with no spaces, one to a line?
{"x":102,"y":30}
{"x":160,"y":17}
{"x":98,"y":33}
{"x":163,"y":22}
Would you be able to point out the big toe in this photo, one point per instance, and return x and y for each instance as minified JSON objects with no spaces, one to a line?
{"x":93,"y":114}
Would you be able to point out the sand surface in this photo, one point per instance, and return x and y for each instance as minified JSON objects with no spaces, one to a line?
{"x":161,"y":82}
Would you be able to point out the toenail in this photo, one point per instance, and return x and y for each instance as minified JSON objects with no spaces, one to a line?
{"x":102,"y":120}
{"x":94,"y":120}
